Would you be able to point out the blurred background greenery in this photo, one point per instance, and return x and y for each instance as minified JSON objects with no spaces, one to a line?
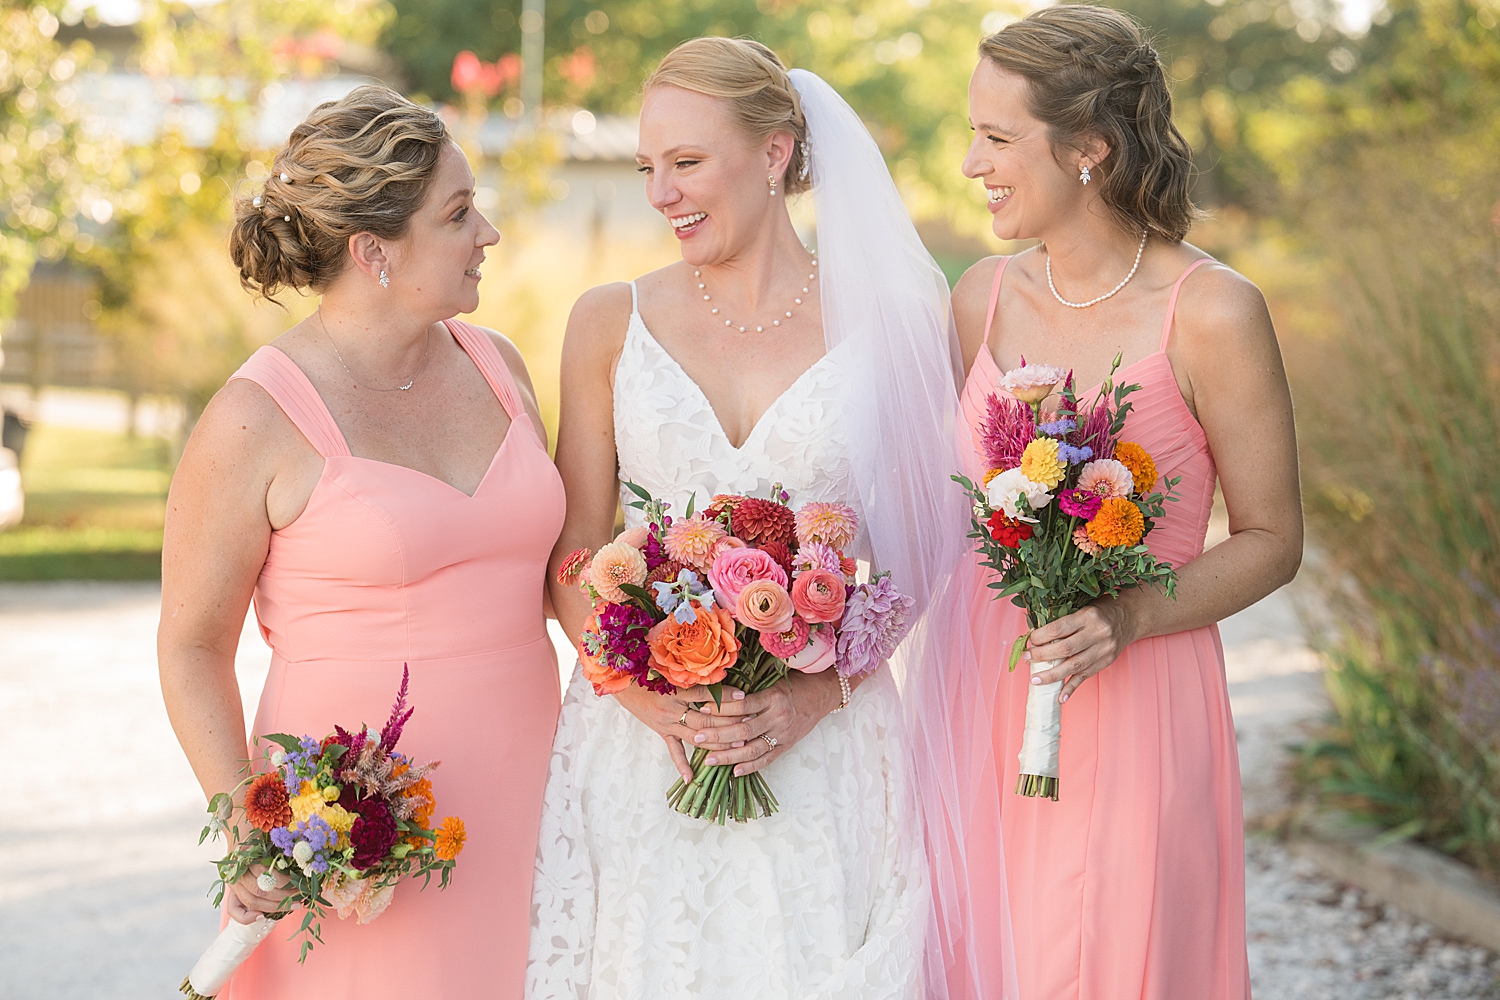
{"x":1347,"y":151}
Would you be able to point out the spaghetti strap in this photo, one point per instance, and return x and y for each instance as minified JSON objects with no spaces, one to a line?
{"x":1166,"y":327}
{"x":989,"y":315}
{"x":285,"y":383}
{"x":486,"y":357}
{"x":635,"y":307}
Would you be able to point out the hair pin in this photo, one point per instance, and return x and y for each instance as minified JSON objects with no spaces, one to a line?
{"x":284,"y":178}
{"x":255,"y":201}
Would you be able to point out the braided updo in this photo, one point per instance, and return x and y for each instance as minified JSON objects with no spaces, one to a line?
{"x":754,"y":82}
{"x":362,"y":164}
{"x":1091,"y":73}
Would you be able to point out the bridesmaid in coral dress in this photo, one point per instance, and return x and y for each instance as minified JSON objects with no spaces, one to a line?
{"x":379,"y":480}
{"x":1132,"y":886}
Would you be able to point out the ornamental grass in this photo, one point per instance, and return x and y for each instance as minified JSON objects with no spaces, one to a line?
{"x":1399,"y":419}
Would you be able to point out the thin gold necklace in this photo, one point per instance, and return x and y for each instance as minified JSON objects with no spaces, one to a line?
{"x":398,"y":388}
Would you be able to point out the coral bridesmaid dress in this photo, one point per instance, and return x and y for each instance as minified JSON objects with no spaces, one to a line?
{"x":1132,"y":887}
{"x":385,"y":566}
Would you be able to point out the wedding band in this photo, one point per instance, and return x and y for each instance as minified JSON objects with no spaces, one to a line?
{"x":683,"y":721}
{"x":770,"y":740}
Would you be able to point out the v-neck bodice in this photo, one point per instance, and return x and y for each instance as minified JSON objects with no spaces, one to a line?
{"x":670,"y":441}
{"x":389,"y":563}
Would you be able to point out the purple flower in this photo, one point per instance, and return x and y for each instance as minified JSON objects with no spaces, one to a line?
{"x":873,"y":626}
{"x":283,"y":838}
{"x":1074,"y":456}
{"x":1057,"y":428}
{"x":622,"y":644}
{"x":1080,"y":503}
{"x":652,"y":550}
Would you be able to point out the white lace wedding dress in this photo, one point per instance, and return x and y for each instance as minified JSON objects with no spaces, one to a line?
{"x":825,"y":899}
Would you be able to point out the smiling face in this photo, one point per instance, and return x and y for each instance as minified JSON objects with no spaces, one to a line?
{"x":435,"y":266}
{"x":1030,"y":191}
{"x":704,"y":175}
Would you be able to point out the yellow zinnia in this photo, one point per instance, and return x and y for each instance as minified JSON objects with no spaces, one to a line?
{"x":1119,"y":522}
{"x":991,"y":475}
{"x":1040,"y":464}
{"x":1138,"y":460}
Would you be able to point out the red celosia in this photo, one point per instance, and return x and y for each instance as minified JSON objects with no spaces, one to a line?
{"x":761,"y":521}
{"x":1008,"y":532}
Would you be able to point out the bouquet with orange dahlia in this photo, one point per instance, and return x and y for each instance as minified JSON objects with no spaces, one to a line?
{"x":1053,"y":558}
{"x":738,"y":594}
{"x":339,"y":821}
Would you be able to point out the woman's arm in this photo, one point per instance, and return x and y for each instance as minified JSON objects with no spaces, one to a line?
{"x":217,"y":534}
{"x":1226,"y":346}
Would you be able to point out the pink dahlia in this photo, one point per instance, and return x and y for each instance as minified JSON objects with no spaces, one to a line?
{"x":833,"y":524}
{"x":874,"y":625}
{"x":1106,"y":479}
{"x":816,"y":555}
{"x":614,"y":565}
{"x":573,"y":566}
{"x":692,"y":540}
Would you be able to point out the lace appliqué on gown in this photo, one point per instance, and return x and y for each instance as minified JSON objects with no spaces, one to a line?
{"x":827,"y":898}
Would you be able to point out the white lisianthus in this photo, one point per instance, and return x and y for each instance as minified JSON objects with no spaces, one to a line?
{"x":1032,"y":383}
{"x":1004,"y":490}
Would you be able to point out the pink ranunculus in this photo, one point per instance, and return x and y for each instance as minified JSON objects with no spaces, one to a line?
{"x":725,"y":544}
{"x":734,"y":568}
{"x":765,"y":606}
{"x":820,"y":653}
{"x":788,"y":643}
{"x":634,"y":537}
{"x":818,"y":596}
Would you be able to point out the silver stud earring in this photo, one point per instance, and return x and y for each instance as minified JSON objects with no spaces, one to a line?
{"x":1085,"y":176}
{"x":771,"y":180}
{"x":385,"y":282}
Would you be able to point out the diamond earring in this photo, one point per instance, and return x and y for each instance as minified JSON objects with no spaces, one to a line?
{"x":1085,"y":176}
{"x":771,"y":180}
{"x":385,"y":282}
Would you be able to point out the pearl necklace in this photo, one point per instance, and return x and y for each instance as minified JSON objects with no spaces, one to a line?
{"x":806,"y":289}
{"x":1095,"y":301}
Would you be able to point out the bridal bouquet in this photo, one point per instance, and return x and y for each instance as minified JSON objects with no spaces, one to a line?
{"x":737,"y":594}
{"x":1053,"y":558}
{"x":342,"y":819}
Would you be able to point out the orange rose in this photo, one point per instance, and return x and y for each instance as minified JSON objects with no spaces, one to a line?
{"x":606,"y":680}
{"x":700,"y":652}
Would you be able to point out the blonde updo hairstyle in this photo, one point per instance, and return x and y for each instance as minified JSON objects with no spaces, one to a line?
{"x":362,"y":164}
{"x":755,"y":83}
{"x":1091,"y":73}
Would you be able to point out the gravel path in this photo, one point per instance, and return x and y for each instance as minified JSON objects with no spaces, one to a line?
{"x":123,"y":917}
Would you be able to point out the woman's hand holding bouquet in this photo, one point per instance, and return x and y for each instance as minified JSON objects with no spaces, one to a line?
{"x":738,"y":595}
{"x":331,"y":824}
{"x":1061,"y":518}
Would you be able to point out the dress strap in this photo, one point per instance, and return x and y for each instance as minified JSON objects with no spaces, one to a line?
{"x":1166,"y":327}
{"x":989,"y":315}
{"x":635,"y":306}
{"x":486,"y":357}
{"x":284,"y":382}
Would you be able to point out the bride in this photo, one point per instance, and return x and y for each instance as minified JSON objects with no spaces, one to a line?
{"x":753,"y":363}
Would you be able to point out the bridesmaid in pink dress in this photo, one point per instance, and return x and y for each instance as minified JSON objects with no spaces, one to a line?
{"x":379,"y":480}
{"x":1132,"y":886}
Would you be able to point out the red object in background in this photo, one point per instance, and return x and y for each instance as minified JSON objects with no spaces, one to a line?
{"x":473,"y":76}
{"x":578,"y":68}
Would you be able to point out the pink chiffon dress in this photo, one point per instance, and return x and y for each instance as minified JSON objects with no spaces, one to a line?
{"x":1132,"y":886}
{"x":389,"y":566}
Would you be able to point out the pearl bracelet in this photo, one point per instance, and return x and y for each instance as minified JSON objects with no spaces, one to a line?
{"x":846,"y":691}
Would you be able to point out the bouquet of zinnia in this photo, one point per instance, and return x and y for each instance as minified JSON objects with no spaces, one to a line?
{"x":1052,"y":559}
{"x":342,"y":819}
{"x":737,"y":594}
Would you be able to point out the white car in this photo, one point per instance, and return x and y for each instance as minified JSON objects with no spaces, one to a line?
{"x":12,"y":501}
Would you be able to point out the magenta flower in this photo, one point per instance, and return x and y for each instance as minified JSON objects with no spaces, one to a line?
{"x":1005,"y":431}
{"x":1080,"y":503}
{"x":789,"y":643}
